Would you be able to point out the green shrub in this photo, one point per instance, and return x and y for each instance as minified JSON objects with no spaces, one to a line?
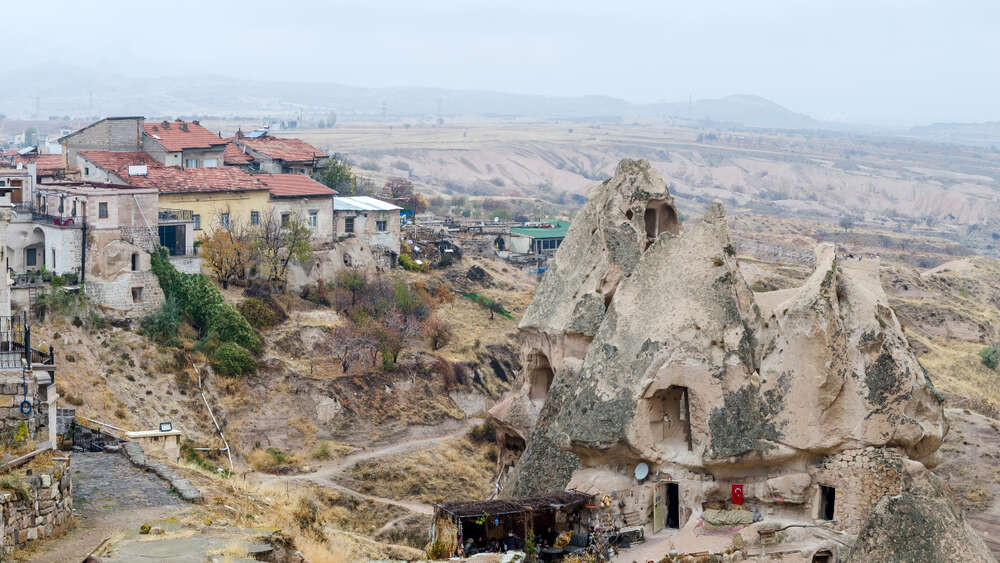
{"x":990,"y":356}
{"x":258,"y":313}
{"x":488,"y":303}
{"x":233,"y":359}
{"x":437,"y":551}
{"x":58,"y":281}
{"x":162,"y":325}
{"x":202,"y":303}
{"x":228,"y":325}
{"x":409,"y":264}
{"x":485,"y":432}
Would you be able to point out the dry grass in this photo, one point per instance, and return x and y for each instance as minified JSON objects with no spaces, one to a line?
{"x":457,"y":469}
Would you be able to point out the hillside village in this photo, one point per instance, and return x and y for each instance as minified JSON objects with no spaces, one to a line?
{"x":247,"y":349}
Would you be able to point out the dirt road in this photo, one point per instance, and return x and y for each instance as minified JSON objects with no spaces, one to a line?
{"x":415,"y":438}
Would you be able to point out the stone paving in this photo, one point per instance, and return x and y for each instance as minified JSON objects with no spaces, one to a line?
{"x":108,"y":481}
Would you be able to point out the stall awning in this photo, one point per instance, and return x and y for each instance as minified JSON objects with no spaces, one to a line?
{"x":556,"y":499}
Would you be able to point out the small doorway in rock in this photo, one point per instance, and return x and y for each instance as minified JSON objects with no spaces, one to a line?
{"x":673,"y":506}
{"x":135,"y":261}
{"x":822,"y":557}
{"x":670,"y":417}
{"x":827,"y":498}
{"x":540,"y":377}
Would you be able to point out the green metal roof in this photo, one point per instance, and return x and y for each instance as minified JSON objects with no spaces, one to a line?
{"x":558,"y":230}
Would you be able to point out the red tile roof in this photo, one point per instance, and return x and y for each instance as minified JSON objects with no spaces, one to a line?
{"x":291,"y":185}
{"x":45,"y":164}
{"x":289,"y":150}
{"x":172,"y":136}
{"x":173,"y":179}
{"x":234,"y":156}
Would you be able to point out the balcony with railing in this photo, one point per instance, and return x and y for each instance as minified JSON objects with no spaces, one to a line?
{"x":15,"y":346}
{"x":28,"y":212}
{"x":165,"y":215}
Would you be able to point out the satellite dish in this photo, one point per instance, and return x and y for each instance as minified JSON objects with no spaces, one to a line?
{"x":641,"y":471}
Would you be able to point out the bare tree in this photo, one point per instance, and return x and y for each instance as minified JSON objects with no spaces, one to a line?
{"x":279,"y":240}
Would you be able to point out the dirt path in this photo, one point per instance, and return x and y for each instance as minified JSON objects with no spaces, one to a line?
{"x":415,"y":438}
{"x":970,"y":453}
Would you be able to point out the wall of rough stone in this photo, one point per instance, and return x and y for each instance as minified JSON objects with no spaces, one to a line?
{"x":117,"y":295}
{"x":46,"y":511}
{"x":11,"y":396}
{"x":861,"y":478}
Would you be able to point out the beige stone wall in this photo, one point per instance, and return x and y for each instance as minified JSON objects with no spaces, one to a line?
{"x":46,"y":512}
{"x":861,"y":477}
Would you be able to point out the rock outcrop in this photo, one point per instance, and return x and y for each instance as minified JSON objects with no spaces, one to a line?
{"x":644,"y":344}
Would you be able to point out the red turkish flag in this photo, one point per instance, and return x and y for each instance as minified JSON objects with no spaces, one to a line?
{"x":737,"y":494}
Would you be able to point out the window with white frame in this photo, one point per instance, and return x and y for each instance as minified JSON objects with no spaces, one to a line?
{"x":210,"y":163}
{"x":313,"y":217}
{"x":191,"y":163}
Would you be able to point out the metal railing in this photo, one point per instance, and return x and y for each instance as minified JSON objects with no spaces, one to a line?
{"x":174,"y":215}
{"x":15,"y":344}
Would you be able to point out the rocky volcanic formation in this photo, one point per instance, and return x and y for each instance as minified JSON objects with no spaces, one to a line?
{"x":644,"y":344}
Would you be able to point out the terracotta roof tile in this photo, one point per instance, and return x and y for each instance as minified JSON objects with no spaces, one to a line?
{"x":45,"y":164}
{"x":171,"y":135}
{"x":173,"y":179}
{"x":286,"y":185}
{"x":289,"y":150}
{"x":234,"y":156}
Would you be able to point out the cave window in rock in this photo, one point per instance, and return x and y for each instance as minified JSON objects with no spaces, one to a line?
{"x":827,"y":502}
{"x":823,"y":557}
{"x":660,"y":217}
{"x":540,"y":379}
{"x":670,"y":417}
{"x":135,"y":261}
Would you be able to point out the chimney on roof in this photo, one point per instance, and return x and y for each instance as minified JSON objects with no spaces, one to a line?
{"x":195,"y":121}
{"x":165,"y":124}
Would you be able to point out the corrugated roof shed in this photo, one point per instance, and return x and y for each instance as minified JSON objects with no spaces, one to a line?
{"x":362,"y":203}
{"x":557,"y":229}
{"x":556,"y":499}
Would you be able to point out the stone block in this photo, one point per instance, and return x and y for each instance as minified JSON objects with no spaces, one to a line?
{"x":32,"y":533}
{"x":46,"y":480}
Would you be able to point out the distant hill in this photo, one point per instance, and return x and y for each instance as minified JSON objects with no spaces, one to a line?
{"x":986,"y":134}
{"x":61,"y":90}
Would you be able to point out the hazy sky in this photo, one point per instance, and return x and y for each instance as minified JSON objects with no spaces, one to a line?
{"x":877,"y":61}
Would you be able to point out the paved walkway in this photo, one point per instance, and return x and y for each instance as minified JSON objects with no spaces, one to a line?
{"x":110,"y":495}
{"x":103,"y":482}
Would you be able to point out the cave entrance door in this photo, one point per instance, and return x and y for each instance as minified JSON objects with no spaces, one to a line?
{"x":659,"y":507}
{"x":673,"y":506}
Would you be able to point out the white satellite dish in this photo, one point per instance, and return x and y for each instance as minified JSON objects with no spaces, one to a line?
{"x":641,"y":471}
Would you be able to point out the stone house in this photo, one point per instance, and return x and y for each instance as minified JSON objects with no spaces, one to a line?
{"x":212,"y":196}
{"x":100,"y":233}
{"x":183,"y":143}
{"x":109,"y":134}
{"x":543,"y":238}
{"x":277,"y":155}
{"x":374,"y":221}
{"x":20,"y":179}
{"x":298,"y":194}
